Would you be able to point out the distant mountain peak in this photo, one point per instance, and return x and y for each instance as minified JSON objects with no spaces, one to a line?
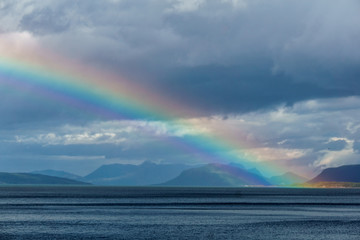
{"x":148,"y":163}
{"x":217,"y":174}
{"x":147,"y":173}
{"x":345,"y":173}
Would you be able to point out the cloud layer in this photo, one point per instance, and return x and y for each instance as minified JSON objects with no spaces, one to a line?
{"x":220,"y":56}
{"x":281,"y":74}
{"x":305,"y":138}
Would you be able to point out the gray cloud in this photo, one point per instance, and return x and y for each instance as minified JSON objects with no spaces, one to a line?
{"x":44,"y":21}
{"x":305,"y":137}
{"x":219,"y":56}
{"x":336,"y":145}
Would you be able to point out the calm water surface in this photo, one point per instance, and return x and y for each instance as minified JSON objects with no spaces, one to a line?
{"x":178,"y":213}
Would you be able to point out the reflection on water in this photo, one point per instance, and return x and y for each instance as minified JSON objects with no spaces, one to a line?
{"x":178,"y":213}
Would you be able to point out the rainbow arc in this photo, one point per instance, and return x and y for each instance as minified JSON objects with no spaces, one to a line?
{"x":111,"y":95}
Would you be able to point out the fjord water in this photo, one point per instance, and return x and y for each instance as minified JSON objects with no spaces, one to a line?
{"x":47,"y":212}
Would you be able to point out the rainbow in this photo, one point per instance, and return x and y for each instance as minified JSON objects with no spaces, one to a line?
{"x":112,"y":96}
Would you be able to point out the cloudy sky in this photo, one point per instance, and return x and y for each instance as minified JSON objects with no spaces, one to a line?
{"x":282,"y":76}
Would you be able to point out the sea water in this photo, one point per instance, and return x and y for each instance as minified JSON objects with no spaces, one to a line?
{"x":48,"y":212}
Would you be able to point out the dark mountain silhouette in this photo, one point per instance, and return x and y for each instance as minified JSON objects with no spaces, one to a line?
{"x":220,"y":175}
{"x":288,"y":178}
{"x":147,"y":173}
{"x":38,"y":179}
{"x":61,"y":174}
{"x":111,"y":171}
{"x":346,"y":173}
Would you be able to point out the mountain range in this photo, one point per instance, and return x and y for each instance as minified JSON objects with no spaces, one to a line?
{"x":61,"y":174}
{"x":147,"y":173}
{"x":36,"y":179}
{"x":218,"y":175}
{"x":226,"y":175}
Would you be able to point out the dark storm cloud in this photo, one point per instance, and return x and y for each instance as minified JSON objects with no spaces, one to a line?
{"x":218,"y":56}
{"x":44,"y":21}
{"x":236,"y":89}
{"x":266,"y":54}
{"x":153,"y":150}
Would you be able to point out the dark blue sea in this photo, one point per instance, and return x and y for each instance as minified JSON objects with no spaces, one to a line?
{"x":90,"y":212}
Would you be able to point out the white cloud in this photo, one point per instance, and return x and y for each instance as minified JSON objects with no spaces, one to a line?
{"x":69,"y":139}
{"x":185,"y":5}
{"x":277,"y":153}
{"x":298,"y":134}
{"x":112,"y":132}
{"x":337,"y":158}
{"x":352,"y":127}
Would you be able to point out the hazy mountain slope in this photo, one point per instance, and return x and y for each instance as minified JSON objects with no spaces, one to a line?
{"x":252,"y":170}
{"x":111,"y":171}
{"x":147,"y":173}
{"x":346,"y":173}
{"x":29,"y":178}
{"x":55,"y":173}
{"x":217,"y":175}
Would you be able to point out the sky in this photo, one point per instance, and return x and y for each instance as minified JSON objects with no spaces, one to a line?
{"x":279,"y":80}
